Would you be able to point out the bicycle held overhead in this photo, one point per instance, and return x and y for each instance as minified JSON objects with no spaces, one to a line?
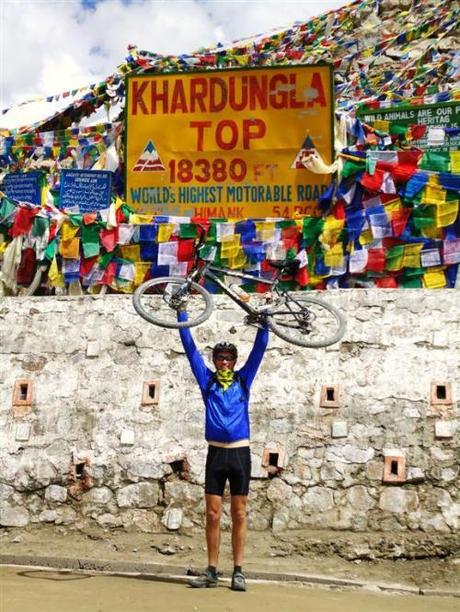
{"x":297,"y":317}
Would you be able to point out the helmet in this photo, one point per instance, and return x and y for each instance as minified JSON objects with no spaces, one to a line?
{"x":226,"y":347}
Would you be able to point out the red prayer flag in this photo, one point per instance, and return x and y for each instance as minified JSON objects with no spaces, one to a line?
{"x":23,"y":221}
{"x":399,"y":220}
{"x":89,"y":218}
{"x":86,"y":265}
{"x":26,"y":269}
{"x":185,"y":250}
{"x":373,"y":182}
{"x":388,"y":282}
{"x":109,"y":238}
{"x":375,"y":260}
{"x":302,"y":277}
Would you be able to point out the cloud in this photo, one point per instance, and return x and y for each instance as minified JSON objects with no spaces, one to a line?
{"x":50,"y":46}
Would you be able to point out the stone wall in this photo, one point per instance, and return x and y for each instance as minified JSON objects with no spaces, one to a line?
{"x":101,"y":420}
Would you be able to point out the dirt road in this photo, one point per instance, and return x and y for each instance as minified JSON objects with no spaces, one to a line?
{"x":36,"y":590}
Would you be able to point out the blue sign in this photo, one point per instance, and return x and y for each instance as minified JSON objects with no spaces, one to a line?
{"x":22,"y":186}
{"x":86,"y":190}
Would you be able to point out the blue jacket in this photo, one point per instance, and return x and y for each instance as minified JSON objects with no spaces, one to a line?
{"x":227,"y":412}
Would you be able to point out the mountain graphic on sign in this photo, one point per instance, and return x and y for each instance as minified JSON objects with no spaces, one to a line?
{"x":307,"y":149}
{"x":149,"y":161}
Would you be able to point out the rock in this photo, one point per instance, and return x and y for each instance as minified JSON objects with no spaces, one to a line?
{"x":349,"y":454}
{"x":398,"y":500}
{"x":147,"y":469}
{"x":415,"y":475}
{"x":65,"y":515}
{"x":166,"y":550}
{"x":359,"y":498}
{"x":278,"y":491}
{"x":145,"y":521}
{"x":172,"y":518}
{"x":13,"y":516}
{"x":109,"y":520}
{"x":92,"y":349}
{"x":6,"y":492}
{"x":56,"y":493}
{"x":99,"y":495}
{"x":180,"y":492}
{"x":47,"y":516}
{"x":141,"y":495}
{"x":318,"y":499}
{"x":16,"y":540}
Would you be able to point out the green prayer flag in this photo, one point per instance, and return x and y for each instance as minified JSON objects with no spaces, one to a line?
{"x":39,"y":226}
{"x":423,"y":216}
{"x":410,"y":283}
{"x":7,"y":209}
{"x":90,"y":240}
{"x":50,"y":251}
{"x":393,"y":257}
{"x":105,"y":259}
{"x":437,"y":161}
{"x":351,"y":167}
{"x":187,"y":230}
{"x":399,"y":129}
{"x":312,"y":228}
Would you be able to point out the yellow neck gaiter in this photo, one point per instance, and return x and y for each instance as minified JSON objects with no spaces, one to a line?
{"x":225,"y":378}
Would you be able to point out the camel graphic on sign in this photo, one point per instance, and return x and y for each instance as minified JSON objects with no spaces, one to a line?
{"x":149,"y":161}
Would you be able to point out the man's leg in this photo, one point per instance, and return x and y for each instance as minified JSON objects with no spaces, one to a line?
{"x":238,"y":511}
{"x":213,"y":516}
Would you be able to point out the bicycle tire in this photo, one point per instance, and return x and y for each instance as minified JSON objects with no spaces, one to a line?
{"x":279,"y":323}
{"x":149,"y":313}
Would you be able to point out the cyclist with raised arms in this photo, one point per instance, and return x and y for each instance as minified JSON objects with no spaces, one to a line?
{"x":226,"y":397}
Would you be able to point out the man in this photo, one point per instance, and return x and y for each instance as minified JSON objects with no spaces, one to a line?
{"x":226,"y":397}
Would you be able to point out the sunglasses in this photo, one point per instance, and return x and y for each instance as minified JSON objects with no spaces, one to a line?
{"x":223,"y":358}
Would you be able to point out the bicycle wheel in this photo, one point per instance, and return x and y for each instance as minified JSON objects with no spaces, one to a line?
{"x":306,"y":321}
{"x":153,"y":301}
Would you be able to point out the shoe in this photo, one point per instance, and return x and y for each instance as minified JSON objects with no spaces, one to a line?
{"x":238,"y":582}
{"x":206,"y":580}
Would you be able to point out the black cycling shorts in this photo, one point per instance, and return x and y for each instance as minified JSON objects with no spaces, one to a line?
{"x":233,"y":464}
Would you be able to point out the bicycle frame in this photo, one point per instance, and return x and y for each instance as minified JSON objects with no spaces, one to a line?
{"x":207,"y":270}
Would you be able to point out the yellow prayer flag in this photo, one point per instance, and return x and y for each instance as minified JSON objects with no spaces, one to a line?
{"x":432,"y":232}
{"x":411,"y":257}
{"x":56,"y":279}
{"x":434,"y":279}
{"x":366,"y":237}
{"x":433,"y":180}
{"x":237,"y":261}
{"x":131,"y":252}
{"x":68,"y":231}
{"x":331,"y":230}
{"x":136,"y":219}
{"x":314,"y":279}
{"x":446,"y":213}
{"x":140,"y":270}
{"x":381,"y":125}
{"x":165,"y":231}
{"x":434,"y":194}
{"x":70,"y":248}
{"x":392,"y":205}
{"x":242,"y":60}
{"x":334,"y":257}
{"x":455,"y":161}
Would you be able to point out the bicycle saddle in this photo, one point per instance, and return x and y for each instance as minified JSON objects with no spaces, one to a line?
{"x":287,"y":266}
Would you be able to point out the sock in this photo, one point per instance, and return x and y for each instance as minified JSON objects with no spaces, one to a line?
{"x":238,"y":568}
{"x":212,"y":569}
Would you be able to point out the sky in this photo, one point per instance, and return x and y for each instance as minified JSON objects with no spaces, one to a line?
{"x":50,"y":46}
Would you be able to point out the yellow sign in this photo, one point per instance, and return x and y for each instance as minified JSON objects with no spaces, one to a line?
{"x":230,"y":143}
